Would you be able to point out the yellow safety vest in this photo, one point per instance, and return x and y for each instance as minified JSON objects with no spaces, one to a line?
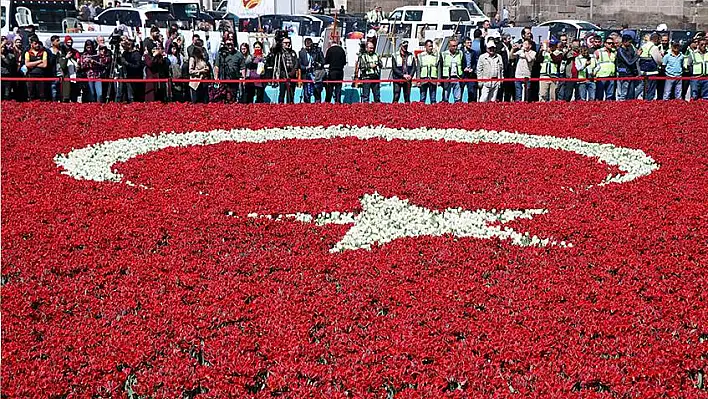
{"x":647,"y":59}
{"x":548,"y":67}
{"x":583,"y":74}
{"x":700,"y":63}
{"x":452,"y":61}
{"x":428,"y":65}
{"x":369,"y":64}
{"x":606,"y":64}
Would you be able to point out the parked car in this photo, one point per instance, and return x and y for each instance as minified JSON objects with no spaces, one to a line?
{"x":572,"y":27}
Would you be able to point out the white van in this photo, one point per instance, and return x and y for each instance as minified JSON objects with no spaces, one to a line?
{"x":476,"y":14}
{"x":411,"y":22}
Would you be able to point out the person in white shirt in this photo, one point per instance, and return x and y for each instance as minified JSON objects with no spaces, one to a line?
{"x":525,"y":58}
{"x":490,"y":66}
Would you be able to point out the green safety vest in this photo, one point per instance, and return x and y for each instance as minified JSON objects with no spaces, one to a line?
{"x":369,"y":65}
{"x":452,"y":61}
{"x":428,"y":65}
{"x":584,"y":73}
{"x":548,"y":67}
{"x":408,"y":60}
{"x":700,"y":63}
{"x":606,"y":64}
{"x":647,"y":59}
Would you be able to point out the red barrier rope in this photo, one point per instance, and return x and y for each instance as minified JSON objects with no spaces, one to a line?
{"x":359,"y":81}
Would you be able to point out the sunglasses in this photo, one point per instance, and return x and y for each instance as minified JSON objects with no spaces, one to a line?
{"x":609,"y":42}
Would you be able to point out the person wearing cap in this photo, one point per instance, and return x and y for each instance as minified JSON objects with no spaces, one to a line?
{"x":605,"y":69}
{"x":469,"y":69}
{"x":428,"y":70}
{"x":450,"y":69}
{"x":627,"y":67}
{"x":403,"y":72}
{"x":490,"y":66}
{"x":35,"y":64}
{"x":649,"y":64}
{"x":550,"y":62}
{"x":699,"y":68}
{"x":368,"y":68}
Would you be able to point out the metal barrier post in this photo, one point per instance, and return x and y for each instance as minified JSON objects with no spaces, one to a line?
{"x":645,"y":88}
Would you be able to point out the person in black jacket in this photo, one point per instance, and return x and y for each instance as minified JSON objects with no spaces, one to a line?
{"x":311,"y":62}
{"x":404,"y":68}
{"x":334,"y":61}
{"x":627,"y":65}
{"x":469,"y":69}
{"x":132,"y":65}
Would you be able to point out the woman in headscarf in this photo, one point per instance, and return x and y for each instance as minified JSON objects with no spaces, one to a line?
{"x":69,"y":62}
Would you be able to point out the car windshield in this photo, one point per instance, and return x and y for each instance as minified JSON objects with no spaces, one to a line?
{"x":459,"y":15}
{"x":586,"y":26}
{"x":185,"y":10}
{"x":161,"y":19}
{"x":471,"y":7}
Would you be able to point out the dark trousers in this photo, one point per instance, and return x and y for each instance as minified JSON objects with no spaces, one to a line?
{"x":334,"y":89}
{"x":35,"y":91}
{"x":374,"y":88}
{"x":429,"y":90}
{"x":252,"y":93}
{"x":200,"y":95}
{"x":6,"y":90}
{"x":471,"y":88}
{"x":406,"y":87}
{"x":288,"y":89}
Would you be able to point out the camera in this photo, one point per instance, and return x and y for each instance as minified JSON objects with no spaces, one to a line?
{"x":115,"y":38}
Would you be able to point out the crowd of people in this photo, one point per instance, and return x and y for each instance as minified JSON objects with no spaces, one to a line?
{"x":616,"y":68}
{"x":592,"y":69}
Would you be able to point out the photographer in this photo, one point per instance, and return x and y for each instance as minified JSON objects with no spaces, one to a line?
{"x":9,"y":68}
{"x":311,"y":69}
{"x":368,"y":67}
{"x":228,"y":66}
{"x":283,"y":64}
{"x":156,"y":67}
{"x":131,"y":64}
{"x":69,"y":63}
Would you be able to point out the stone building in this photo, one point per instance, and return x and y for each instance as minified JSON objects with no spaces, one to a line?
{"x":677,"y":14}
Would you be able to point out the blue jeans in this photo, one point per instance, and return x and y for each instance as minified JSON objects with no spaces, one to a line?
{"x":454,"y":88}
{"x":699,"y":89}
{"x":625,"y":90}
{"x":650,"y":92}
{"x":519,"y":91}
{"x":428,"y":88}
{"x":672,"y":86}
{"x":128,"y":89}
{"x":56,"y":90}
{"x":605,"y":90}
{"x":587,"y":91}
{"x":471,"y":91}
{"x":96,"y":91}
